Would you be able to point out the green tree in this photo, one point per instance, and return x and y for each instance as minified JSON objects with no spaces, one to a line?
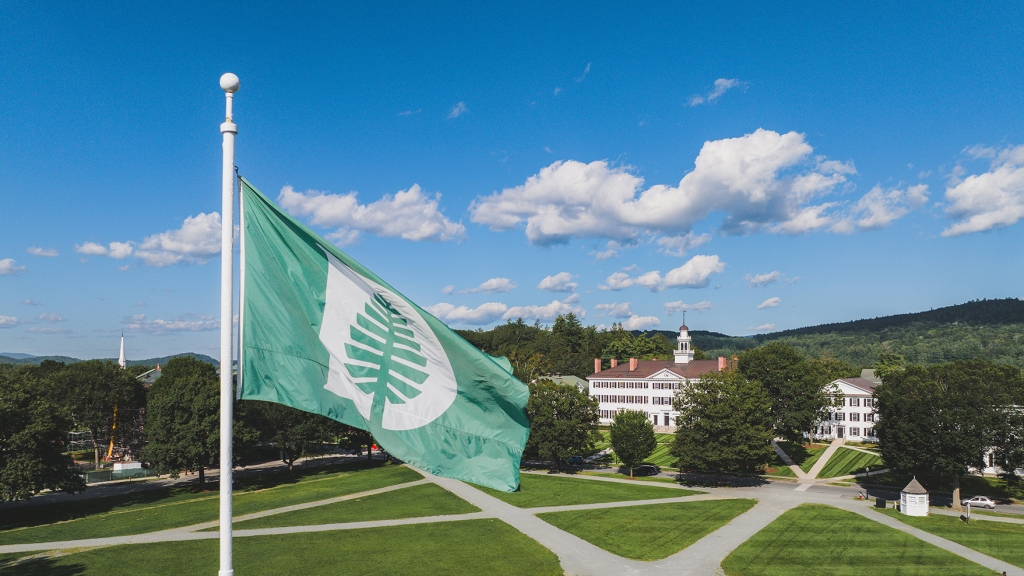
{"x":33,"y":432}
{"x":798,"y":390}
{"x":1009,"y":443}
{"x":632,"y":438}
{"x":291,"y":430}
{"x":183,"y":420}
{"x":563,"y":422}
{"x":941,"y":420}
{"x":92,"y":390}
{"x":724,"y":425}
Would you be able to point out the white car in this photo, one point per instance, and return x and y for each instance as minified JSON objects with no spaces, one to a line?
{"x":980,"y":502}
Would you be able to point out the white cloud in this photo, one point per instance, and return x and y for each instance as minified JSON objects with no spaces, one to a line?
{"x":409,"y":214}
{"x":678,"y":306}
{"x":763,"y":181}
{"x":557,"y":91}
{"x":410,"y":112}
{"x":586,"y":71}
{"x":763,"y":327}
{"x":38,"y":330}
{"x":770,"y":303}
{"x":640,"y":322}
{"x":46,"y":252}
{"x":611,"y":250}
{"x":122,"y":250}
{"x":561,"y":282}
{"x":30,"y":303}
{"x":458,"y":110}
{"x":9,"y":321}
{"x":762,"y":280}
{"x":92,"y":249}
{"x":722,"y":85}
{"x":616,"y":310}
{"x":992,"y":199}
{"x":51,"y":317}
{"x":493,"y":286}
{"x":448,"y":289}
{"x":482,"y":314}
{"x":9,"y":268}
{"x":679,"y":245}
{"x":547,"y":311}
{"x":879,"y":208}
{"x":184,"y":323}
{"x":196,"y":241}
{"x":694,"y":274}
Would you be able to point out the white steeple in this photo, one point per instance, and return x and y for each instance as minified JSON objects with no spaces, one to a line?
{"x":684,"y":351}
{"x":120,"y":359}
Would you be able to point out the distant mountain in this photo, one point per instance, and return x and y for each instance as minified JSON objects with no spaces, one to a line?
{"x":16,"y":355}
{"x":19,"y":358}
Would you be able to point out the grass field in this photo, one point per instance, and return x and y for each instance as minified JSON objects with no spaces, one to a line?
{"x":997,"y":539}
{"x":803,"y":456}
{"x":649,"y":532}
{"x":846,"y":461}
{"x":164,"y":508}
{"x":537,"y":490}
{"x":817,"y":539}
{"x":779,"y":468}
{"x":660,"y":479}
{"x":412,"y":502}
{"x":469,"y":547}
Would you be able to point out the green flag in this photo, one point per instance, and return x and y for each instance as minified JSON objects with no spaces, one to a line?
{"x":321,"y":333}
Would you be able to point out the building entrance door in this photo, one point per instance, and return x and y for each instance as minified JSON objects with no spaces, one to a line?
{"x":839,"y":432}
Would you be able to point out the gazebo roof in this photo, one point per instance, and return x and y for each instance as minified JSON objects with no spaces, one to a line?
{"x":915,"y":487}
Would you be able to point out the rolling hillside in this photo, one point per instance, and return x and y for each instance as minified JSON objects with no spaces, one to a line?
{"x":29,"y":359}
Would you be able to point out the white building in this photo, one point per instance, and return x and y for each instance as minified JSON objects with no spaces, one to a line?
{"x":649,"y":385}
{"x":855,"y":419}
{"x":914,"y":499}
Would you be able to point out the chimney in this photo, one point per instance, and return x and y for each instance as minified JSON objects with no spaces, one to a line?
{"x":632,"y":364}
{"x":597,"y":365}
{"x":721,"y":363}
{"x":615,"y":362}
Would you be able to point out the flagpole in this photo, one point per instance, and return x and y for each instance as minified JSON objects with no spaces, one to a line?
{"x":229,"y":83}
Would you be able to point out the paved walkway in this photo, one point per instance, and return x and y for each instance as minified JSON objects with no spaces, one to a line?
{"x":819,"y":465}
{"x":577,"y":556}
{"x":788,"y":461}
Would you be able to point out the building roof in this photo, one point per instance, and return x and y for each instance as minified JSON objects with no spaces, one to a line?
{"x":861,"y":383}
{"x":914,"y":487}
{"x":568,"y":379}
{"x":869,"y":374}
{"x":647,"y":368}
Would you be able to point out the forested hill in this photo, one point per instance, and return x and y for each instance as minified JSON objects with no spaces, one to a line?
{"x":976,"y":313}
{"x":28,"y":359}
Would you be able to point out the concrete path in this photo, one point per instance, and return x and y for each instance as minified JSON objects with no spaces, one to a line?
{"x":823,"y":459}
{"x":976,"y":516}
{"x":864,"y":450}
{"x":958,"y":549}
{"x":788,"y":461}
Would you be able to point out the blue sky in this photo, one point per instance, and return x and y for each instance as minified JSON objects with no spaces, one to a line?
{"x":766,"y":167}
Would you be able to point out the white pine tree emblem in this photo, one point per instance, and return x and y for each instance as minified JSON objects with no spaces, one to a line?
{"x":387,"y":354}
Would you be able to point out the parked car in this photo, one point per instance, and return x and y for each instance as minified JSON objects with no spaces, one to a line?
{"x":646,"y":470}
{"x":979,"y":502}
{"x":576,"y":461}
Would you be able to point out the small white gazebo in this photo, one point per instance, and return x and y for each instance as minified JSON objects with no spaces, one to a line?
{"x":914,"y":499}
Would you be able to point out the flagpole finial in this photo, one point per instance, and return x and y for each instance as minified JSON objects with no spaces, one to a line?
{"x":230,"y":83}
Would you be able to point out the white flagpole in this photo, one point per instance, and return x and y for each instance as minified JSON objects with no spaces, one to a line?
{"x":229,"y":83}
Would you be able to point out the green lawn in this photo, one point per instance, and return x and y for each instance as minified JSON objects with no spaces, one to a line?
{"x":650,"y":532}
{"x":779,"y":468}
{"x":818,"y":539}
{"x":661,"y":479}
{"x":662,"y":457}
{"x":803,"y":456}
{"x":415,"y":501}
{"x":537,"y":490}
{"x":469,"y":547}
{"x":164,"y":508}
{"x":846,"y":461}
{"x":997,"y":539}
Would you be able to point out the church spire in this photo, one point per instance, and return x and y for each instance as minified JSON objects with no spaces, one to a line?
{"x":684,"y":351}
{"x":120,"y":359}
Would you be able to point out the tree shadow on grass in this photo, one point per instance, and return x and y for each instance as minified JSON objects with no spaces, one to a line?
{"x":704,"y":480}
{"x":40,"y":567}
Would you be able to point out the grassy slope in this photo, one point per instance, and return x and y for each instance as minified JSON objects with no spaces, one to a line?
{"x":416,"y":501}
{"x":169,"y":508}
{"x":536,"y":490}
{"x":803,"y":456}
{"x":846,"y":461}
{"x":469,"y":547}
{"x":817,"y":539}
{"x":649,"y":532}
{"x":996,"y":539}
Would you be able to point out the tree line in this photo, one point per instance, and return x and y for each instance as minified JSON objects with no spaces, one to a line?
{"x":172,"y":427}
